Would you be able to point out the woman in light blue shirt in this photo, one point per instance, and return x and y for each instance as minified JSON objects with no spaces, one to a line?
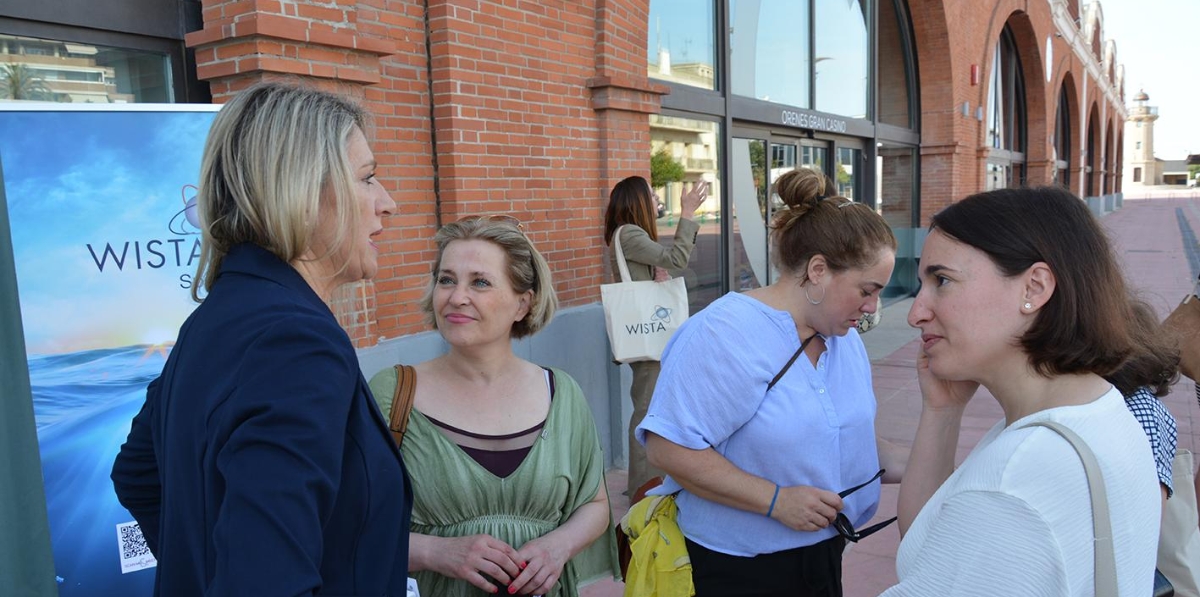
{"x":763,"y":416}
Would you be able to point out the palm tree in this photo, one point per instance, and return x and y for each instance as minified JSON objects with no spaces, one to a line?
{"x":18,"y":82}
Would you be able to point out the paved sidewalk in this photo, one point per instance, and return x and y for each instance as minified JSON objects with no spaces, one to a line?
{"x":1156,"y":242}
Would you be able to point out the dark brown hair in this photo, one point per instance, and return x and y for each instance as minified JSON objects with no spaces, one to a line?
{"x":1154,"y":366}
{"x":848,"y":234}
{"x":630,"y":202}
{"x":1088,"y":325}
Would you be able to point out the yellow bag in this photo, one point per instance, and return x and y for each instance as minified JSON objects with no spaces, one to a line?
{"x":659,"y":565}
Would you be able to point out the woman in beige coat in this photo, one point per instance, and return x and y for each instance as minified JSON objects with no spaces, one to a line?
{"x":633,"y":202}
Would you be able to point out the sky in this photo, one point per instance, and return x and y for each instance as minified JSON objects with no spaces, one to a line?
{"x":1157,"y":41}
{"x":77,"y":183}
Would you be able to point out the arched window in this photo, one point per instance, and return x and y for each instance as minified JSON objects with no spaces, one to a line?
{"x":897,"y":93}
{"x":1062,"y":140}
{"x":1006,"y":130}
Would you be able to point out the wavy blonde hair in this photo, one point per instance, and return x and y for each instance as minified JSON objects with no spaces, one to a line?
{"x":272,"y":154}
{"x":527,"y":269}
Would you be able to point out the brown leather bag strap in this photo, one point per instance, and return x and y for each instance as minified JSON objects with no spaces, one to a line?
{"x":402,"y":401}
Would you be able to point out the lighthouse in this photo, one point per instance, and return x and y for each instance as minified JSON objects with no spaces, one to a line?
{"x":1141,"y":169}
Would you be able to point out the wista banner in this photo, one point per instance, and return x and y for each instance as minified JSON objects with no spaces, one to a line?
{"x":101,"y":201}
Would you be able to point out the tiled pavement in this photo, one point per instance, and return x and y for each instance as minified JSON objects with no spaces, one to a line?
{"x":1149,"y":235}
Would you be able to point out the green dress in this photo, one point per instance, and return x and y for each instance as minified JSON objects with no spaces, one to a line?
{"x":453,"y":496}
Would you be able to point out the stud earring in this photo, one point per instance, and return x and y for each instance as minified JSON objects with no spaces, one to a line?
{"x":1028,"y":306}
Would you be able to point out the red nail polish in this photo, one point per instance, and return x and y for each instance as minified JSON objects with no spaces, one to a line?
{"x":524,"y":564}
{"x":511,"y":590}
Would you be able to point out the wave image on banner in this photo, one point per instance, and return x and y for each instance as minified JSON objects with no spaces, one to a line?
{"x":104,"y":235}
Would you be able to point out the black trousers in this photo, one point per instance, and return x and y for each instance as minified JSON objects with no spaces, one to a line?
{"x":812,"y":571}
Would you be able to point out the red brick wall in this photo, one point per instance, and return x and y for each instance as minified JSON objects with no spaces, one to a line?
{"x":526,"y":107}
{"x":536,"y":107}
{"x":950,"y":38}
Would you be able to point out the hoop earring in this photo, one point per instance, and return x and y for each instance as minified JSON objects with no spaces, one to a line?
{"x":810,"y":300}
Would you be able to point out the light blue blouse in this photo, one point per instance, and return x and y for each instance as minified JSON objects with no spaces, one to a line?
{"x":815,"y":427}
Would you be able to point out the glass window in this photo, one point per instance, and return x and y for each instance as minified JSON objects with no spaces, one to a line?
{"x":681,"y":45}
{"x":999,"y":176}
{"x":692,"y":146}
{"x":1006,"y":100}
{"x":1006,"y":117}
{"x":896,"y":187}
{"x":895,"y":80}
{"x":846,"y":172}
{"x":1137,"y":175}
{"x":1092,"y":151}
{"x":748,"y":186}
{"x":841,"y":65}
{"x":47,"y":70}
{"x":761,"y":34}
{"x":814,"y":157}
{"x":1062,"y":141}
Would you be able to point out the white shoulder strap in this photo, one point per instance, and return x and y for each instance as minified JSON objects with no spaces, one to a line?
{"x":621,"y":264}
{"x":1105,"y":574}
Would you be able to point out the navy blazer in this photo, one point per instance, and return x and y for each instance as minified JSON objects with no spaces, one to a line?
{"x":260,"y":464}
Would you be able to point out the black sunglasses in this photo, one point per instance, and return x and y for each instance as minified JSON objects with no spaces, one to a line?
{"x":842,"y":524}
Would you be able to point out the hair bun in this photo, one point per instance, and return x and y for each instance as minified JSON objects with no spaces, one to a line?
{"x":800,"y":190}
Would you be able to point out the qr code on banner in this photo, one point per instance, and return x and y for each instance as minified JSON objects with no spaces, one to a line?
{"x":135,"y":554}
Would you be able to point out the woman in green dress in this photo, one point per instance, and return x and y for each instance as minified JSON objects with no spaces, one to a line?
{"x":507,"y":471}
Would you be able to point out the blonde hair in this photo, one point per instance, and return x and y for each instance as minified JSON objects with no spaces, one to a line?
{"x":848,"y":234}
{"x":272,"y":154}
{"x":527,"y":269}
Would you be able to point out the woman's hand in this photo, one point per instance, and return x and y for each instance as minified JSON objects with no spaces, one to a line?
{"x":544,"y":565}
{"x":692,"y":198}
{"x":476,"y":559}
{"x":661,"y":274}
{"x":805,"y":508}
{"x":940,"y":393}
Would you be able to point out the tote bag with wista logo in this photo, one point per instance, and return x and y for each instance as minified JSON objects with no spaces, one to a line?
{"x":641,"y":316}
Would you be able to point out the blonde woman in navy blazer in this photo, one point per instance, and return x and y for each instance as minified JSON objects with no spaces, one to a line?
{"x":260,"y":464}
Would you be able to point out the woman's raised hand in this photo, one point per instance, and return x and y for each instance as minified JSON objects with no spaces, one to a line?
{"x":942,"y":393}
{"x":693,"y":197}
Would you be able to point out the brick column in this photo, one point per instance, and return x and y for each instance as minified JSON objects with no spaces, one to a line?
{"x":622,"y":94}
{"x":623,"y":105}
{"x":1039,"y":172}
{"x":244,"y":41}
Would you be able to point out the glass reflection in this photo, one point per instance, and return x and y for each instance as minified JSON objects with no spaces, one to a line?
{"x":681,"y":44}
{"x":841,"y":66}
{"x":1006,"y":103}
{"x":749,"y":185}
{"x":1062,"y":140}
{"x":33,"y":69}
{"x":845,"y":173}
{"x":769,"y":50}
{"x":896,"y":188}
{"x":691,"y":154}
{"x":997,"y":176}
{"x":814,"y":157}
{"x":894,"y":77}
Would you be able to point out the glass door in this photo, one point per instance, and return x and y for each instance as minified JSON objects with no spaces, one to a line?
{"x":759,"y":159}
{"x":896,"y":189}
{"x":814,"y":154}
